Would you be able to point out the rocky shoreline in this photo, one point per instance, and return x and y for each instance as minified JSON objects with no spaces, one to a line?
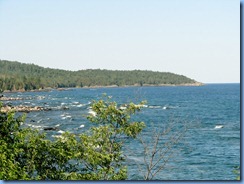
{"x":147,"y":85}
{"x":110,"y":86}
{"x":3,"y":98}
{"x":21,"y":108}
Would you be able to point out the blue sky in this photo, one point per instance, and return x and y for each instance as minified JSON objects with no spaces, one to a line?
{"x":196,"y":38}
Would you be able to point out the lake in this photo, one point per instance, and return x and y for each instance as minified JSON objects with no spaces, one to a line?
{"x":207,"y":119}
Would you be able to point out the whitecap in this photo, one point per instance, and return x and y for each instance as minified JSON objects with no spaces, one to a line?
{"x":137,"y":159}
{"x":40,"y":97}
{"x":154,"y":106}
{"x":61,"y":131}
{"x":36,"y":126}
{"x":82,"y":126}
{"x":93,"y":113}
{"x":80,"y":105}
{"x":140,"y":106}
{"x":122,"y":108}
{"x":219,"y":126}
{"x":66,"y":116}
{"x":39,"y":121}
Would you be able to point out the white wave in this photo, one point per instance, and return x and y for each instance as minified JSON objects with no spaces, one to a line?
{"x":82,"y":126}
{"x":61,"y":131}
{"x":141,"y":105}
{"x":66,"y":116}
{"x":91,"y":112}
{"x":154,"y":106}
{"x":135,"y":158}
{"x":57,"y":125}
{"x":39,"y":121}
{"x":40,"y":97}
{"x":219,"y":126}
{"x":80,"y":105}
{"x":122,"y":108}
{"x":34,"y":126}
{"x":169,"y":107}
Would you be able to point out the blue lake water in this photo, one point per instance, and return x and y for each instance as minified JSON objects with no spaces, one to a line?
{"x":208,"y":150}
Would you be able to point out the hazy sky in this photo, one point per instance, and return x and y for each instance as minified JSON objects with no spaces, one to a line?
{"x":196,"y":38}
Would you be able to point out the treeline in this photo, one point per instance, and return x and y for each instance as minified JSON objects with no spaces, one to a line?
{"x":20,"y":76}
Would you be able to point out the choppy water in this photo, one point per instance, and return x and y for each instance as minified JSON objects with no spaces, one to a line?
{"x":210,"y":149}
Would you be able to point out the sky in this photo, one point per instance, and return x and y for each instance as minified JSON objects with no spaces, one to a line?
{"x":196,"y":38}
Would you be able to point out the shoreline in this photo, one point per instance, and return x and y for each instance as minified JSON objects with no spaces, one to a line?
{"x":48,"y":89}
{"x":146,"y":85}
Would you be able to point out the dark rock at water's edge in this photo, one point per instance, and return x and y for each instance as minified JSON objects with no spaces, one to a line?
{"x":50,"y":128}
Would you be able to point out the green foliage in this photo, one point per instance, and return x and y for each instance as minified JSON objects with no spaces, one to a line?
{"x":236,"y":171}
{"x":26,"y":154}
{"x":106,"y":138}
{"x":19,"y":76}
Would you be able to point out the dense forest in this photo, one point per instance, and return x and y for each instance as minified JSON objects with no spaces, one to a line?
{"x":19,"y":76}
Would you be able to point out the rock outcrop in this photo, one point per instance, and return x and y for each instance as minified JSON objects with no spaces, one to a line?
{"x":22,"y":108}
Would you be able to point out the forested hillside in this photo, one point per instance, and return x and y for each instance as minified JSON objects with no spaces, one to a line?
{"x":20,"y":76}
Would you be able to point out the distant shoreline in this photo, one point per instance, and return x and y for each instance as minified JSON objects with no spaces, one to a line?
{"x":110,"y":86}
{"x":146,"y":85}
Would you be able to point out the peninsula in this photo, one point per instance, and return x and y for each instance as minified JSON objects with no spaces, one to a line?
{"x":16,"y":76}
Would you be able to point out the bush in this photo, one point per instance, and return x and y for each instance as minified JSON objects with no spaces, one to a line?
{"x":26,"y":154}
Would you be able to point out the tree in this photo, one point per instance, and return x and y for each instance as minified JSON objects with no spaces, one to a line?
{"x":162,"y":146}
{"x":26,"y":154}
{"x":19,"y":76}
{"x":105,"y":156}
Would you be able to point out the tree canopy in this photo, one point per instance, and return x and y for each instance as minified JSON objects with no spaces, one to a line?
{"x":20,"y":76}
{"x":27,"y":154}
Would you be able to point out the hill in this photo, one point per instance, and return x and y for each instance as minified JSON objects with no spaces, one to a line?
{"x":19,"y":76}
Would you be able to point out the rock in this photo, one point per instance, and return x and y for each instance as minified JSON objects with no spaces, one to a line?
{"x":9,"y":98}
{"x":22,"y":108}
{"x":50,"y":128}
